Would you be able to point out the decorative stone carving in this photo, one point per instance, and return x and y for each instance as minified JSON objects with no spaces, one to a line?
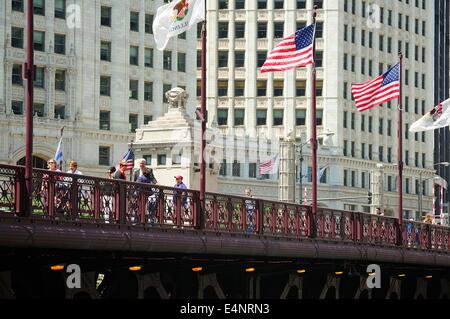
{"x":177,"y":98}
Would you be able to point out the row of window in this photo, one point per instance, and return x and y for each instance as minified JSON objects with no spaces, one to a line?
{"x":104,"y":157}
{"x":390,"y":182}
{"x":262,"y":4}
{"x":349,"y":151}
{"x":39,"y":77}
{"x":261,"y":88}
{"x":17,"y":40}
{"x":261,"y":31}
{"x":384,"y":15}
{"x":39,"y":7}
{"x":17,"y":108}
{"x":261,"y":117}
{"x":105,"y":121}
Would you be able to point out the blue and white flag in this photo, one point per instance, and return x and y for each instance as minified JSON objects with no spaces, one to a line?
{"x":59,"y":151}
{"x":320,"y":172}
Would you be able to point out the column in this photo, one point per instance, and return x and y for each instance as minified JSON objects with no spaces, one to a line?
{"x":50,"y":92}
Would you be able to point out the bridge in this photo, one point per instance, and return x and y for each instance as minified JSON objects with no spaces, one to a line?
{"x":137,"y":240}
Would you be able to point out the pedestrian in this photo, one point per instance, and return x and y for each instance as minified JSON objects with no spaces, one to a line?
{"x":428,"y":219}
{"x":108,"y":195}
{"x":379,"y":212}
{"x":73,"y":168}
{"x":120,"y":173}
{"x":52,"y":166}
{"x":179,"y":185}
{"x":143,"y":168}
{"x":111,"y":172}
{"x":250,"y":209}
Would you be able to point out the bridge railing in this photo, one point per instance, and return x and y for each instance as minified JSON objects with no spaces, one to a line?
{"x":62,"y":196}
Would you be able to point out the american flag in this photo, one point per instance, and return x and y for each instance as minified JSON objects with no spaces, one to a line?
{"x":129,"y":157}
{"x":291,"y":52}
{"x":267,"y":166}
{"x":382,"y":89}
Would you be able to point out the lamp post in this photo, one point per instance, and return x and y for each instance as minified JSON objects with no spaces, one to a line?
{"x":299,"y":149}
{"x":421,"y":185}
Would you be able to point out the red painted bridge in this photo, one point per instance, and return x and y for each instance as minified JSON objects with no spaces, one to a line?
{"x":102,"y":222}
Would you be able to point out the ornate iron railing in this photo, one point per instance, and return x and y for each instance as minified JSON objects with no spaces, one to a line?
{"x":68,"y":197}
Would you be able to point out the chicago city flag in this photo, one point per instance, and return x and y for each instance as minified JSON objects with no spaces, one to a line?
{"x":176,"y":17}
{"x":438,"y":117}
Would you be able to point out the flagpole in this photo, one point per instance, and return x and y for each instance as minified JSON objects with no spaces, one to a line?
{"x":131,"y":170}
{"x":203,"y":120}
{"x":313,"y":125}
{"x":400,"y":149}
{"x":29,"y":76}
{"x":60,"y":141}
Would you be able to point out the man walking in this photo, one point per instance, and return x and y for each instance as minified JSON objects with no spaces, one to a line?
{"x":144,"y":170}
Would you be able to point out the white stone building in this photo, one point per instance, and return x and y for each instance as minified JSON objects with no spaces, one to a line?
{"x":98,"y":75}
{"x":354,"y":44}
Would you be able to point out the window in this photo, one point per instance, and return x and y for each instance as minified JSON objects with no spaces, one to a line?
{"x":222,"y":116}
{"x":239,"y":87}
{"x":345,"y":177}
{"x":380,"y":127}
{"x":381,"y":43}
{"x":278,"y":88}
{"x":60,"y":80}
{"x":407,"y":183}
{"x":60,"y":112}
{"x":223,"y":30}
{"x":406,"y":131}
{"x":407,"y":158}
{"x":239,"y":4}
{"x":261,"y":58}
{"x":261,"y":117}
{"x":105,"y":121}
{"x":363,"y":180}
{"x":222,"y":87}
{"x":148,"y":57}
{"x":38,"y":109}
{"x":352,"y":121}
{"x":345,"y":149}
{"x":300,"y":117}
{"x":223,"y":4}
{"x":353,"y":178}
{"x":166,"y":88}
{"x":104,"y":155}
{"x":353,"y":65}
{"x":353,"y":34}
{"x":370,"y":152}
{"x":167,"y":60}
{"x":134,"y":87}
{"x":105,"y":85}
{"x":182,"y":35}
{"x":370,"y":40}
{"x":389,"y":184}
{"x":39,"y":7}
{"x":17,"y":37}
{"x":319,"y":30}
{"x":60,"y":9}
{"x":223,"y":168}
{"x":423,"y":55}
{"x":345,"y":86}
{"x":148,"y":118}
{"x":319,"y":87}
{"x":262,"y":4}
{"x":345,"y":61}
{"x":380,"y":153}
{"x":424,"y":29}
{"x":105,"y":51}
{"x":252,"y":170}
{"x":389,"y":128}
{"x":352,"y":149}
{"x":239,"y":59}
{"x":17,"y":5}
{"x":278,"y":4}
{"x":370,"y":124}
{"x":319,"y":117}
{"x":423,"y":160}
{"x":389,"y":44}
{"x":148,"y":91}
{"x":134,"y":21}
{"x":222,"y":57}
{"x":239,"y":31}
{"x":345,"y":119}
{"x":363,"y":123}
{"x":105,"y":18}
{"x":60,"y":43}
{"x":277,"y":117}
{"x":301,"y":4}
{"x":39,"y":78}
{"x":181,"y":62}
{"x":262,"y":30}
{"x":239,"y":117}
{"x":389,"y":154}
{"x":149,"y":23}
{"x":134,"y":55}
{"x":278,"y":30}
{"x":363,"y":150}
{"x":17,"y":74}
{"x":319,"y":59}
{"x":133,"y":122}
{"x":17,"y":107}
{"x":261,"y":87}
{"x":39,"y":41}
{"x":423,"y":81}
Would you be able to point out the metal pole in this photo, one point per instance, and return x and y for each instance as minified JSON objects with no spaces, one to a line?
{"x":203,"y":119}
{"x":313,"y":126}
{"x":29,"y":77}
{"x":301,"y":174}
{"x":420,"y":195}
{"x":400,"y":147}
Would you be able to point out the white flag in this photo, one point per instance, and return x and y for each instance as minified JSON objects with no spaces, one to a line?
{"x":176,"y":17}
{"x":437,"y":118}
{"x":59,"y":151}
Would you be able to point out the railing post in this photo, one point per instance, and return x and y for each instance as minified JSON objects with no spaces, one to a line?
{"x":97,"y":200}
{"x":178,"y":201}
{"x":122,"y":204}
{"x":243,"y":215}
{"x":142,"y":204}
{"x":51,"y":195}
{"x":199,"y":216}
{"x":260,"y":216}
{"x":161,"y":206}
{"x":399,"y":233}
{"x":312,"y":223}
{"x":19,"y":193}
{"x":215,"y":212}
{"x":74,"y":197}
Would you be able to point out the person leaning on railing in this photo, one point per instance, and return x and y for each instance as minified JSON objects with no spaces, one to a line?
{"x":250,"y":209}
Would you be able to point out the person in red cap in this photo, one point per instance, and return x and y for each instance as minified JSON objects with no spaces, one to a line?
{"x":179,"y":185}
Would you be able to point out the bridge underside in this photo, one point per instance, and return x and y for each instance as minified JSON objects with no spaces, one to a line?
{"x":283,"y":267}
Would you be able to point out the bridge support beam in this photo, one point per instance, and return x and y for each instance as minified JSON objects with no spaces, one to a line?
{"x":293,"y":281}
{"x":332,"y":282}
{"x":151,"y":280}
{"x":207,"y":280}
{"x":445,"y":289}
{"x":88,"y":286}
{"x":363,"y":287}
{"x":421,"y":288}
{"x":6,"y":291}
{"x":395,"y":286}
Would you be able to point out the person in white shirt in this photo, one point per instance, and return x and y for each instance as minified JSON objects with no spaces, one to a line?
{"x":74,"y":168}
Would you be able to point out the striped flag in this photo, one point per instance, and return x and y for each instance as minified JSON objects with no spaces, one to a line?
{"x":382,"y":89}
{"x":291,"y":52}
{"x":129,"y":157}
{"x":267,"y":166}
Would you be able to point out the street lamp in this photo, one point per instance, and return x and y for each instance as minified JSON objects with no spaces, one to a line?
{"x":299,"y":149}
{"x":421,"y":184}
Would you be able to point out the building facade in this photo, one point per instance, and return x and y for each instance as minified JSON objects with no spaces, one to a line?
{"x":355,"y":41}
{"x":98,"y":75}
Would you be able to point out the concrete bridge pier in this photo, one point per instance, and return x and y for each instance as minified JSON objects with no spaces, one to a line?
{"x":332,"y":282}
{"x":6,"y":291}
{"x":87,"y":290}
{"x":153,"y":280}
{"x":209,"y":280}
{"x":293,"y":281}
